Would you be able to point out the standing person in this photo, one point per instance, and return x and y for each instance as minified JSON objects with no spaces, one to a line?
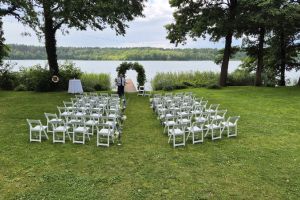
{"x":120,"y":82}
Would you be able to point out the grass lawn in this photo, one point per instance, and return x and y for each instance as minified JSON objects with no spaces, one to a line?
{"x":263,"y":162}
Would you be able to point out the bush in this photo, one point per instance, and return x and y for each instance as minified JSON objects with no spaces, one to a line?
{"x":241,"y":77}
{"x":36,"y":78}
{"x":87,"y":89}
{"x":20,"y":87}
{"x":8,"y":79}
{"x":68,"y":71}
{"x":214,"y":86}
{"x":98,"y":82}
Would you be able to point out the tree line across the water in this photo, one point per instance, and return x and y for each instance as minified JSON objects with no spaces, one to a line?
{"x":19,"y":52}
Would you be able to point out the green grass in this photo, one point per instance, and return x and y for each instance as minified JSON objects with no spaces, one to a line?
{"x":261,"y":163}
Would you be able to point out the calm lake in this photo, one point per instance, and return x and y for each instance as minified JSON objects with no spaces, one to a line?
{"x":151,"y":67}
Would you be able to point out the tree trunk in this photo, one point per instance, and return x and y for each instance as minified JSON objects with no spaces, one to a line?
{"x":50,"y":40}
{"x":2,"y":48}
{"x":282,"y":58}
{"x":260,"y":57}
{"x":225,"y":62}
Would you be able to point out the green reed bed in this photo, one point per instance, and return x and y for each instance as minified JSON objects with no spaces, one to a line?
{"x":96,"y":82}
{"x":180,"y":80}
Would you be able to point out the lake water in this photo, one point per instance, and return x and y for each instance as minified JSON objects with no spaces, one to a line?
{"x":151,"y":67}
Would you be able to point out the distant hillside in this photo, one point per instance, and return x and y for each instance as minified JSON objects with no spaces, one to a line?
{"x":24,"y":52}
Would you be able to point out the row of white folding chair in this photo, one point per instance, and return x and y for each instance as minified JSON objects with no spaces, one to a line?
{"x":198,"y":130}
{"x":66,"y":111}
{"x":80,"y":126}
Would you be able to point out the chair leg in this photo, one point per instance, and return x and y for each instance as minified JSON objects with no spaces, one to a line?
{"x":46,"y":134}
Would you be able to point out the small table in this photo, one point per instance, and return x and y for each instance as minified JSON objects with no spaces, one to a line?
{"x":75,"y":86}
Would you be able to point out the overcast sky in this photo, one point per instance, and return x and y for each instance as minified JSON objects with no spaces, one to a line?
{"x":143,"y":32}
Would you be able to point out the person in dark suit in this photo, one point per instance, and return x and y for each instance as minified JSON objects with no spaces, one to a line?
{"x":120,"y":82}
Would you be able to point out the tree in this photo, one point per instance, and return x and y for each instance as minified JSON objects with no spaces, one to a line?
{"x":256,"y":23}
{"x":20,"y":9}
{"x":285,"y":43}
{"x":54,"y":15}
{"x":217,"y":18}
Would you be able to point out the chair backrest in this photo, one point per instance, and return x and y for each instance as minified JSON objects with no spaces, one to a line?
{"x":178,"y":126}
{"x":31,"y":122}
{"x":204,"y":103}
{"x":198,"y":124}
{"x":141,"y":88}
{"x":214,"y":106}
{"x":103,"y":126}
{"x":221,"y":113}
{"x":234,"y":119}
{"x":50,"y":116}
{"x":68,"y":104}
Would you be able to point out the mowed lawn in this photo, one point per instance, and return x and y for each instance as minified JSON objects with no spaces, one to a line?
{"x":263,"y":162}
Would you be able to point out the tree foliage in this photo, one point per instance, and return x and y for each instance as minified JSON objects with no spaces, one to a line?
{"x":216,"y":19}
{"x":62,"y":15}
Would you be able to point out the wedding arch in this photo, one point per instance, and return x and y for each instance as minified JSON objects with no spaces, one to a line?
{"x":141,"y":76}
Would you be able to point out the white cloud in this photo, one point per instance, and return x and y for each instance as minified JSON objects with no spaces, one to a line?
{"x":157,"y":9}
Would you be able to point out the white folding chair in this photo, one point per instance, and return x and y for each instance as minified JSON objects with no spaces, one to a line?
{"x":177,"y":131}
{"x":196,"y":131}
{"x":80,"y":131}
{"x":219,"y":114}
{"x":141,"y":91}
{"x":91,"y":122}
{"x":230,"y":124}
{"x":214,"y":128}
{"x":212,"y":108}
{"x":60,"y":129}
{"x":35,"y":126}
{"x":169,"y":122}
{"x":51,"y":118}
{"x":64,"y":112}
{"x":104,"y":133}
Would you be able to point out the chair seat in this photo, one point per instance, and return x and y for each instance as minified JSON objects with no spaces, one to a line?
{"x":110,"y":123}
{"x":39,"y":128}
{"x":91,"y":122}
{"x":79,"y":114}
{"x":176,"y":131}
{"x":218,"y":117}
{"x":66,"y":113}
{"x":81,"y":129}
{"x":194,"y":129}
{"x":96,"y":115}
{"x":61,"y":129}
{"x":182,"y":113}
{"x":104,"y":132}
{"x":112,"y":115}
{"x":228,"y":124}
{"x":196,"y":112}
{"x":170,"y":123}
{"x":55,"y":120}
{"x":210,"y":110}
{"x":212,"y":126}
{"x":74,"y":121}
{"x":184,"y":121}
{"x":200,"y":119}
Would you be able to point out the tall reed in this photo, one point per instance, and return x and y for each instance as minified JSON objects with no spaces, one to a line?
{"x":92,"y":81}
